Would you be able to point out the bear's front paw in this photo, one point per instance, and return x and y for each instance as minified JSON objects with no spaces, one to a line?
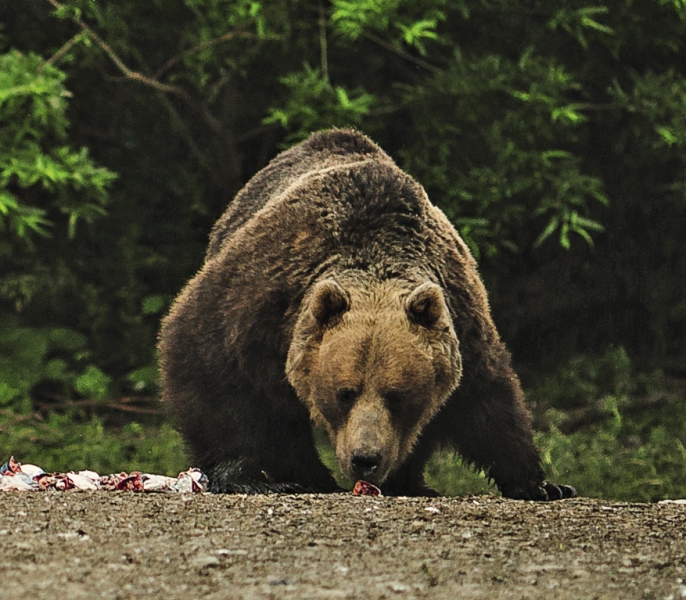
{"x":559,"y":492}
{"x":542,"y":492}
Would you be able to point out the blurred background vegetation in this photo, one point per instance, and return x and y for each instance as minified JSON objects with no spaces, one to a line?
{"x":552,"y":134}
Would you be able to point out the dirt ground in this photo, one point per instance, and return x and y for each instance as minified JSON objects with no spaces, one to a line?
{"x":124,"y":545}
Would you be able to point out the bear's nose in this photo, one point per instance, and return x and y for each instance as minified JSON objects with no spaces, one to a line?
{"x":364,"y":465}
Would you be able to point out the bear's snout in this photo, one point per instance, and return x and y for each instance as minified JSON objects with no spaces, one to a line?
{"x":364,"y":465}
{"x":367,"y":445}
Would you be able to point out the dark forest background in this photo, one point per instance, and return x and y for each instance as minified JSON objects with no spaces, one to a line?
{"x":552,"y":134}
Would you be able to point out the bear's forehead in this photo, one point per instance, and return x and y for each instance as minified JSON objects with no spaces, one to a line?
{"x":388,"y":356}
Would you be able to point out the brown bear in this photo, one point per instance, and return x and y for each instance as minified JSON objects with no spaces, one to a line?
{"x":333,"y":291}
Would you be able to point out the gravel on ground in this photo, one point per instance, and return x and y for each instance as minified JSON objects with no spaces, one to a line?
{"x":76,"y":545}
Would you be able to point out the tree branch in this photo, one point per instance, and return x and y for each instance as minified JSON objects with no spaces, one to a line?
{"x":224,"y":38}
{"x":184,"y":132}
{"x":257,"y":131}
{"x":583,"y":417}
{"x":65,"y":48}
{"x":136,"y":76}
{"x":417,"y":61}
{"x":124,"y":404}
{"x":129,"y":73}
{"x":323,"y":48}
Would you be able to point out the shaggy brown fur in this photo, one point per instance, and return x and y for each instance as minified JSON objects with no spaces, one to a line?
{"x":334,"y":291}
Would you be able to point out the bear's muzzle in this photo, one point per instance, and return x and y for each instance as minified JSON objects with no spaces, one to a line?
{"x":367,"y":445}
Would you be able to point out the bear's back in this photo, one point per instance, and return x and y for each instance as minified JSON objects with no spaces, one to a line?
{"x":323,"y":150}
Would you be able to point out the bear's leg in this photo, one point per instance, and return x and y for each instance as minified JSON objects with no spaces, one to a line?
{"x":251,"y":445}
{"x":290,"y":465}
{"x":490,"y":427}
{"x":408,"y":480}
{"x":238,"y":476}
{"x":244,"y":473}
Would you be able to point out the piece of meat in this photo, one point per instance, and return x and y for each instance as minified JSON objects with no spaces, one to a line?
{"x":364,"y":488}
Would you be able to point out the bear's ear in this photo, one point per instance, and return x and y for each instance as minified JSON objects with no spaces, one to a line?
{"x":329,"y":300}
{"x":425,"y":305}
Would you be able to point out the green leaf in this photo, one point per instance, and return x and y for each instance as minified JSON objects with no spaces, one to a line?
{"x":548,"y":231}
{"x":666,"y":135}
{"x":33,"y":156}
{"x":56,"y":369}
{"x":93,"y":383}
{"x":568,"y":113}
{"x":66,"y":339}
{"x":564,"y":237}
{"x":154,"y":304}
{"x":145,"y":378}
{"x":8,"y":393}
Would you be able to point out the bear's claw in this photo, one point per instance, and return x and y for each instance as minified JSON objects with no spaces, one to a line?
{"x":559,"y":492}
{"x":542,"y":492}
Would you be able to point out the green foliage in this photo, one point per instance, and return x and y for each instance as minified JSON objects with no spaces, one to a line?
{"x":448,"y":474}
{"x":62,"y":443}
{"x":93,"y":383}
{"x":33,"y":129}
{"x":154,"y":304}
{"x":411,"y":23}
{"x":577,"y":22}
{"x":635,"y":456}
{"x":316,"y":104}
{"x":31,"y":355}
{"x":510,"y":176}
{"x":145,"y":379}
{"x":659,"y":99}
{"x":626,"y":458}
{"x":584,"y":379}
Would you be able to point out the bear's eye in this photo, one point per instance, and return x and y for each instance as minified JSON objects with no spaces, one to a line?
{"x":346,"y":396}
{"x":395,"y":398}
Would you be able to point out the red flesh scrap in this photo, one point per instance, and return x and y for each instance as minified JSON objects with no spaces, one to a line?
{"x":364,"y":488}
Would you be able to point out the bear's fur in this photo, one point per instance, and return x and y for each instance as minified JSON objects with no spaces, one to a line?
{"x":333,"y":291}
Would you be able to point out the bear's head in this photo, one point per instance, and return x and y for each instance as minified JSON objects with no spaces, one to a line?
{"x":373,"y":363}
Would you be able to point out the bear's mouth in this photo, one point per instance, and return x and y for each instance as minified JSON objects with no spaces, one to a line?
{"x":365,"y":466}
